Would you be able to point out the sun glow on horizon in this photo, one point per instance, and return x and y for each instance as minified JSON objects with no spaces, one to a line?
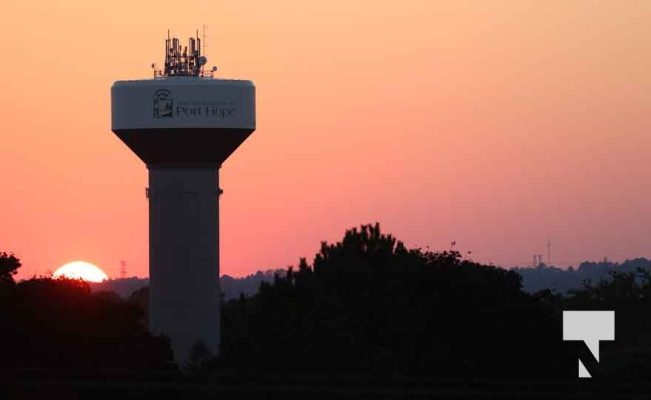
{"x":81,"y":270}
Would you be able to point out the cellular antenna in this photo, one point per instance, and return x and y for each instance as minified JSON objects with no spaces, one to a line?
{"x":203,"y":38}
{"x":183,"y":124}
{"x":184,"y":61}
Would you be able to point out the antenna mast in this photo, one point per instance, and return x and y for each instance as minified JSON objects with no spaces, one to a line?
{"x":184,"y":61}
{"x":203,"y":37}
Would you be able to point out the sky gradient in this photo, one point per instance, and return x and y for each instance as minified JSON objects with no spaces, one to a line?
{"x":491,"y":123}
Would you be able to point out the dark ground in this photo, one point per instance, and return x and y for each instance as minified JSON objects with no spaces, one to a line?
{"x":31,"y":386}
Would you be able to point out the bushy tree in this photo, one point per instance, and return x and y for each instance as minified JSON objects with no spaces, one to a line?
{"x":9,"y":265}
{"x":58,"y":324}
{"x":369,"y":304}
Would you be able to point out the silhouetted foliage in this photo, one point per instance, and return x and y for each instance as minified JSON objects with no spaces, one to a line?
{"x":9,"y":265}
{"x":59,"y":323}
{"x":140,"y":298}
{"x":629,"y":295}
{"x":368,"y":304}
{"x":201,"y":361}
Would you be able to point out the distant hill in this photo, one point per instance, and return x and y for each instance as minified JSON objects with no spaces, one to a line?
{"x":249,"y":285}
{"x":122,"y":287}
{"x":231,"y":287}
{"x":563,"y":280}
{"x":533,"y":279}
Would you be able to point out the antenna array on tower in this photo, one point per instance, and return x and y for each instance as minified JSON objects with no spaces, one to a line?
{"x":183,"y":60}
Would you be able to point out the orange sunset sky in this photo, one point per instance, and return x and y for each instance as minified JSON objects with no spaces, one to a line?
{"x":491,"y":123}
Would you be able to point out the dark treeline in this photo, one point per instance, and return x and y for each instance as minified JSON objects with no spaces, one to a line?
{"x":59,"y":325}
{"x":364,"y":306}
{"x":367,"y":304}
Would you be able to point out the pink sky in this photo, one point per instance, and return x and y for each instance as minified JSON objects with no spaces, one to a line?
{"x":491,"y":123}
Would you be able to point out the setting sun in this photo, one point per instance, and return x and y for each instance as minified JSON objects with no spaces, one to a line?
{"x":81,"y":270}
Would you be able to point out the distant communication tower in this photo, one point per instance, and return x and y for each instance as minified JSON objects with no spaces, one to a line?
{"x":184,"y":124}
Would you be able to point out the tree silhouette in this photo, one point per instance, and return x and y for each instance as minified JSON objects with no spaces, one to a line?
{"x":364,"y":305}
{"x":58,"y":324}
{"x":9,"y":265}
{"x":369,"y":304}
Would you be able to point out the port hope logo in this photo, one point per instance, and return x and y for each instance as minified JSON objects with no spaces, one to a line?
{"x":163,"y":104}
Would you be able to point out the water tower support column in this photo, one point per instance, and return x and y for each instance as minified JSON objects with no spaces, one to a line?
{"x":184,"y":256}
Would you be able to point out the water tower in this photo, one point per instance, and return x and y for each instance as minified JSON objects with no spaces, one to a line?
{"x":183,"y":124}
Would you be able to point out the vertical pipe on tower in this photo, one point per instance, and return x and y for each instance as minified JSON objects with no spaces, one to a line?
{"x":184,"y":256}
